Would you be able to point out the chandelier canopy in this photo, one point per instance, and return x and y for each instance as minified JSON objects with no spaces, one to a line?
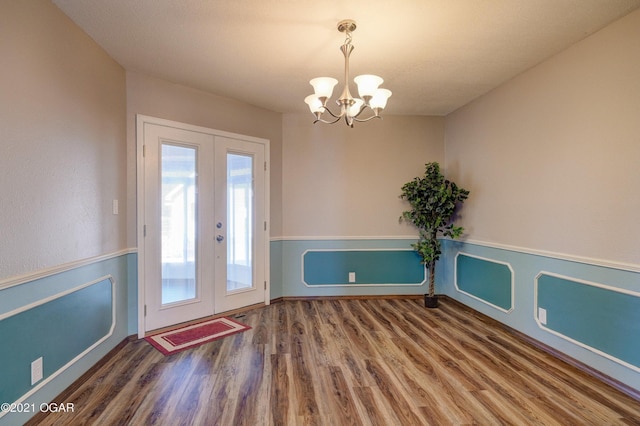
{"x":372,"y":97}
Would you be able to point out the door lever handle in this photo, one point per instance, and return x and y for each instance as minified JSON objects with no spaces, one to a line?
{"x":219,"y":238}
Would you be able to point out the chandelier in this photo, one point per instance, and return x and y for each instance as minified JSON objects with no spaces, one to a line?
{"x":371,"y":97}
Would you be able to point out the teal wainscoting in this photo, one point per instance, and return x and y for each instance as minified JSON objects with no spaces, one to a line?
{"x":487,"y":280}
{"x":56,"y":329}
{"x":318,"y":267}
{"x":132,"y":294}
{"x":275,"y":269}
{"x":599,"y":317}
{"x":592,"y":307}
{"x":71,"y":317}
{"x":369,"y":267}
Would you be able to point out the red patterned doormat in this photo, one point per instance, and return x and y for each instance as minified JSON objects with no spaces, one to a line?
{"x":170,"y":342}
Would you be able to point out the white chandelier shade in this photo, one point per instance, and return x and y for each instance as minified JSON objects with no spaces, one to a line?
{"x":323,"y":86}
{"x":368,"y":84}
{"x":371,"y":95}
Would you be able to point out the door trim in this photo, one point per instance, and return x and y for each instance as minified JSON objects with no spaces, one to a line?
{"x":141,"y":120}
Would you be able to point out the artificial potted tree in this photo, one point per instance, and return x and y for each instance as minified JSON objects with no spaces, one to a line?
{"x":433,"y":201}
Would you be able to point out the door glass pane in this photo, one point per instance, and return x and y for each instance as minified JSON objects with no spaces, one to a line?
{"x":179,"y":202}
{"x":240,"y":218}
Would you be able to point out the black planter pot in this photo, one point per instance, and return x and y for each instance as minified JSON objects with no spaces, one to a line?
{"x":430,"y":302}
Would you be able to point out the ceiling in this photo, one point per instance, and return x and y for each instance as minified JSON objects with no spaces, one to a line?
{"x":435,"y":55}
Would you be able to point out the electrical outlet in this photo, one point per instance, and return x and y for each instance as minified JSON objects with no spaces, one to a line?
{"x":352,"y":277}
{"x":36,"y":371}
{"x":542,"y":315}
{"x":115,"y":207}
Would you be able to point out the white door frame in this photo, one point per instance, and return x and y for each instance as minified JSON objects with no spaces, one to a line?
{"x":140,"y":197}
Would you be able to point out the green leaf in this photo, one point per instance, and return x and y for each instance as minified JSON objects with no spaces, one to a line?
{"x":433,"y":200}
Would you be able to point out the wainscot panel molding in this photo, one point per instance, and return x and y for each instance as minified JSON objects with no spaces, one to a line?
{"x":71,"y":315}
{"x":598,"y":317}
{"x":60,"y":329}
{"x":591,"y":307}
{"x":362,"y":267}
{"x":297,"y":267}
{"x":486,"y":280}
{"x":344,"y":238}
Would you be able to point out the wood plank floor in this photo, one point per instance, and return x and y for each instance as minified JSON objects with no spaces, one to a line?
{"x":348,"y":362}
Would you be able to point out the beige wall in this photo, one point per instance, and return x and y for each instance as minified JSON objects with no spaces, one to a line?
{"x":556,"y":148}
{"x":345,"y":182}
{"x":158,"y":98}
{"x":552,"y":158}
{"x":62,"y":161}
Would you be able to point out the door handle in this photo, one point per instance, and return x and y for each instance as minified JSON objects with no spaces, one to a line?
{"x":219,"y":238}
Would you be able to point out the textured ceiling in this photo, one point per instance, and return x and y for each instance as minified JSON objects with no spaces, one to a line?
{"x":435,"y":55}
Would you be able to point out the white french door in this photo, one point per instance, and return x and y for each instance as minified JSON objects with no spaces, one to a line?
{"x":203,"y":246}
{"x":240,"y":231}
